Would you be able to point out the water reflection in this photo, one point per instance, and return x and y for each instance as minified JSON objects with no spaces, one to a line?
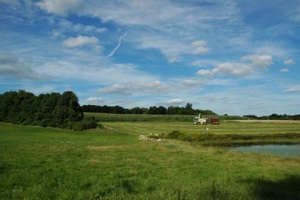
{"x":278,"y":150}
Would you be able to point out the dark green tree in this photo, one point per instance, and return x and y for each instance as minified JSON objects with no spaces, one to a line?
{"x":53,"y":109}
{"x":157,"y":110}
{"x":174,"y":110}
{"x":7,"y":104}
{"x":188,"y":110}
{"x":136,"y":110}
{"x":67,"y":110}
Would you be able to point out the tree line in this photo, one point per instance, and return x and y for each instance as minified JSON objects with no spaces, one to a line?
{"x":157,"y":110}
{"x":54,"y":110}
{"x":275,"y":116}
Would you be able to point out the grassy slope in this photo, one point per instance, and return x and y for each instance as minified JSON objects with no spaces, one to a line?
{"x":49,"y":163}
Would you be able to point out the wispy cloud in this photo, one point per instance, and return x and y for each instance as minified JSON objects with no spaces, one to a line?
{"x":289,"y":62}
{"x":60,"y":7}
{"x":14,"y":2}
{"x":151,"y":87}
{"x":175,"y":101}
{"x":293,"y":89}
{"x":240,"y":69}
{"x":284,"y":70}
{"x":12,"y":67}
{"x":80,"y":41}
{"x":94,"y":100}
{"x":118,"y":46}
{"x":200,"y":47}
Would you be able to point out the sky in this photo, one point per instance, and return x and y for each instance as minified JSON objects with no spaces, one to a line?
{"x":230,"y":56}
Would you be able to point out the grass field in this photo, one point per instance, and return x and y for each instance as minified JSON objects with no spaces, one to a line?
{"x":105,"y":117}
{"x":111,"y":163}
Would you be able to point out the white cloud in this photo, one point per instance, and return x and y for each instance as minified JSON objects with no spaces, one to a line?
{"x":293,"y":89}
{"x":170,"y":48}
{"x":205,"y":72}
{"x":274,"y":50}
{"x":201,"y":50}
{"x":200,"y":47}
{"x":199,"y":43}
{"x":101,"y":30}
{"x":236,"y":69}
{"x":289,"y":62}
{"x":94,"y":100}
{"x":13,"y":2}
{"x":261,"y":61}
{"x":166,"y":26}
{"x":129,"y":88}
{"x":13,"y":67}
{"x":161,"y":15}
{"x":118,"y":89}
{"x":239,"y":69}
{"x":60,"y":7}
{"x":80,"y":41}
{"x":55,"y":33}
{"x":98,"y":70}
{"x":89,"y":28}
{"x":151,"y":87}
{"x":175,"y":101}
{"x":284,"y":70}
{"x":173,"y":59}
{"x":190,"y":83}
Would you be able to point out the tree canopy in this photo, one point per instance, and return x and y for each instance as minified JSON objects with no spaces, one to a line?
{"x":53,"y":109}
{"x":157,"y":110}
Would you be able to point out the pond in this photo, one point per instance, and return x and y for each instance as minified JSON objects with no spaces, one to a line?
{"x":278,"y":150}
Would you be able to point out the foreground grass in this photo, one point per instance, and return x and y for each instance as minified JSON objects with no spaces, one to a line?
{"x":45,"y":163}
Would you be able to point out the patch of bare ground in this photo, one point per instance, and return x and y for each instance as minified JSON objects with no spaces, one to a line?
{"x":105,"y":148}
{"x":269,"y":121}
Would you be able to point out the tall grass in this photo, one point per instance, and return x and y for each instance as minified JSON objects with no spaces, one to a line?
{"x":229,"y":127}
{"x":111,"y":163}
{"x":104,"y":117}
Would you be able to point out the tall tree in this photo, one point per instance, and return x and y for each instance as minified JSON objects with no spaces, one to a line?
{"x":67,"y":109}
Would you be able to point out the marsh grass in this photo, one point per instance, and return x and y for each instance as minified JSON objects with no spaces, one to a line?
{"x":111,"y":163}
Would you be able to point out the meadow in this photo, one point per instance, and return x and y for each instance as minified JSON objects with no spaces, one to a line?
{"x":112,"y":163}
{"x":106,"y":117}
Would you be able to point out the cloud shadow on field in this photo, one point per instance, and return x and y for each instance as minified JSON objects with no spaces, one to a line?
{"x":288,"y":188}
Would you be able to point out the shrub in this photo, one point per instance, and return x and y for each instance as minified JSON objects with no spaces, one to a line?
{"x":87,"y":123}
{"x":174,"y":134}
{"x":90,"y":122}
{"x":79,"y":126}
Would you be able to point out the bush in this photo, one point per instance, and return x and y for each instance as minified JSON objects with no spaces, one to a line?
{"x":90,"y":122}
{"x":79,"y":126}
{"x":174,"y":134}
{"x":87,"y":123}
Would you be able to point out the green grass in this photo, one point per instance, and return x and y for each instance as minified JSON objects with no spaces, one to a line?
{"x":106,"y":117}
{"x":111,"y":163}
{"x":228,"y":127}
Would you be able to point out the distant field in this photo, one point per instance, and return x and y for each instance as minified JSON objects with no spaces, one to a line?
{"x":105,"y":117}
{"x":229,"y":127}
{"x":111,"y":163}
{"x":271,"y":121}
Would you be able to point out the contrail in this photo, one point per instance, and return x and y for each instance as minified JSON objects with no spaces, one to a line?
{"x":120,"y":42}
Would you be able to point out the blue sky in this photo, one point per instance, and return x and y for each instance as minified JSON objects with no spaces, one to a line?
{"x":228,"y":56}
